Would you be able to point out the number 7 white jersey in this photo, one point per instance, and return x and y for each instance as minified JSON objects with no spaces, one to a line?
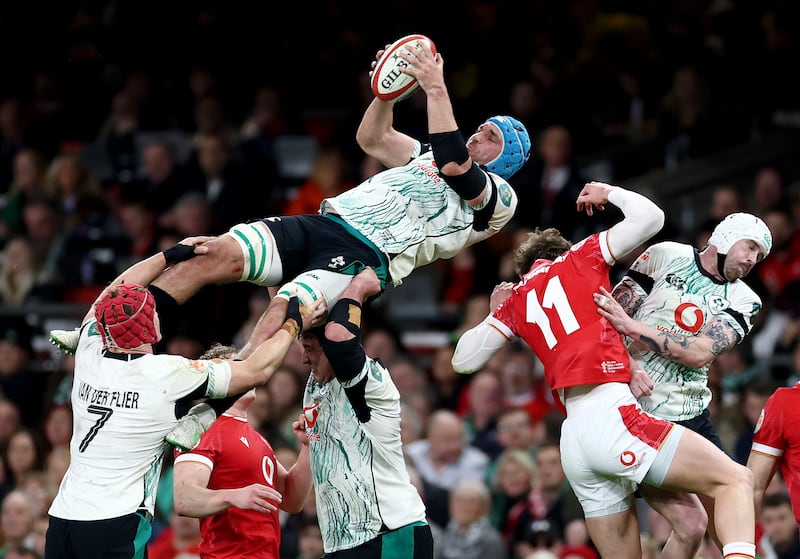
{"x":123,"y":406}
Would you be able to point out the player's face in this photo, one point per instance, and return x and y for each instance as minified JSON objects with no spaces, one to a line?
{"x":743,"y":255}
{"x":314,"y":357}
{"x":485,"y":144}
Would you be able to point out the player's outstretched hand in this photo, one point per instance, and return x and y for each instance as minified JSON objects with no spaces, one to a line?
{"x":500,"y":293}
{"x":613,"y":311}
{"x":593,"y":195}
{"x":256,"y":497}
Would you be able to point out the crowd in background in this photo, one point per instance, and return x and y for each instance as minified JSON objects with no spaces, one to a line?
{"x":125,"y":127}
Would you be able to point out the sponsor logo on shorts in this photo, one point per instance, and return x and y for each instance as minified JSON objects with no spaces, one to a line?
{"x":336,"y":262}
{"x":627,"y":458}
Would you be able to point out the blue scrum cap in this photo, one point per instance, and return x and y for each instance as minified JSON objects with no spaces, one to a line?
{"x":516,"y":146}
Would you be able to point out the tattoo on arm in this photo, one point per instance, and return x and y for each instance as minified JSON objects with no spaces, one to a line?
{"x":723,"y":336}
{"x":663,"y":343}
{"x":626,"y":296}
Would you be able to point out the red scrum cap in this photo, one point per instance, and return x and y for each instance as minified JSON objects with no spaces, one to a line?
{"x":125,"y":317}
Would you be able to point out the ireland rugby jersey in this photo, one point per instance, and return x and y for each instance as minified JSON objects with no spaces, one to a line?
{"x":123,"y":407}
{"x":681,"y":297}
{"x":414,"y":217}
{"x":361,"y":482}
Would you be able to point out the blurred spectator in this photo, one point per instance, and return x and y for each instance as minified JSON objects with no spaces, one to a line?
{"x":782,"y":267}
{"x":550,"y":506}
{"x":514,"y":477}
{"x":444,"y":459}
{"x":685,"y":121}
{"x":549,"y":185}
{"x":117,"y":135}
{"x":163,"y":180}
{"x":179,"y":540}
{"x":191,"y":216}
{"x":18,"y":381}
{"x":16,"y":520}
{"x":27,"y":182}
{"x":485,"y":405}
{"x":24,"y":453}
{"x":19,"y":275}
{"x":12,"y":130}
{"x":44,"y":226}
{"x":383,"y":343}
{"x":309,"y":540}
{"x":9,"y":419}
{"x":514,"y":432}
{"x":77,"y":193}
{"x":780,"y":539}
{"x":285,"y":390}
{"x":329,"y":177}
{"x":522,"y":379}
{"x":754,"y":397}
{"x":256,"y":305}
{"x":406,"y":374}
{"x":223,"y":182}
{"x":449,"y":386}
{"x":725,"y":200}
{"x":55,"y":467}
{"x":469,"y":535}
{"x":139,"y":226}
{"x":769,"y":191}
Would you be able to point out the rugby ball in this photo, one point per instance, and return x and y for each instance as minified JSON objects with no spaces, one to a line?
{"x":388,"y":82}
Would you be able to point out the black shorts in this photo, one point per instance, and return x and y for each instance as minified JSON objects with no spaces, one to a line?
{"x":318,"y":242}
{"x":124,"y":537}
{"x":414,"y":541}
{"x":702,"y":426}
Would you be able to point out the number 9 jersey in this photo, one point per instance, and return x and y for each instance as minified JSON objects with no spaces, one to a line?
{"x":552,"y":309}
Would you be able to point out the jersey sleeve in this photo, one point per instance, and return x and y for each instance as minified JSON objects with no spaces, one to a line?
{"x":743,"y":310}
{"x":504,"y":208}
{"x":769,"y":437}
{"x":374,"y":390}
{"x":180,"y":376}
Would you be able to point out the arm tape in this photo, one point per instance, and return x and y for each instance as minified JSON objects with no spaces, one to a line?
{"x":347,"y":313}
{"x":448,"y":147}
{"x":468,"y":185}
{"x":347,"y":358}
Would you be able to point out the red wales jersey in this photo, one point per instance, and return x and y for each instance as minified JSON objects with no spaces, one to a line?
{"x":238,"y":456}
{"x":777,"y":434}
{"x":552,"y":309}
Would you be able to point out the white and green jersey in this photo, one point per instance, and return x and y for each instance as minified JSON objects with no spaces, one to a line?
{"x":414,"y":217}
{"x":360,"y":478}
{"x":123,"y":406}
{"x":681,"y":297}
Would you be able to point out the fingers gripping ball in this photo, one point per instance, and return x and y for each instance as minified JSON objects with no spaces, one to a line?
{"x":388,"y":82}
{"x":126,"y":317}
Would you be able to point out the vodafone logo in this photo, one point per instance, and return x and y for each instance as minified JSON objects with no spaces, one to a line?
{"x":311,"y":414}
{"x":689,"y":317}
{"x":627,"y":458}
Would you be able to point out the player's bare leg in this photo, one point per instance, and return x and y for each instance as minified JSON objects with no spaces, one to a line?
{"x":220,"y":261}
{"x":686,"y":516}
{"x":701,"y":467}
{"x":616,"y":535}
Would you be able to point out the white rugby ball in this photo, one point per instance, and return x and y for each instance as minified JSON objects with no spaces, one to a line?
{"x":388,"y":82}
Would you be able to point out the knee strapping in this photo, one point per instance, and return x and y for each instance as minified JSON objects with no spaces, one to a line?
{"x":262,"y":263}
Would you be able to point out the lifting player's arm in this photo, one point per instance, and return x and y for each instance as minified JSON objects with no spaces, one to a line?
{"x":694,"y":351}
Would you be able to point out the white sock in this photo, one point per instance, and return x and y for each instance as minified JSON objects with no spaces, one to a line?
{"x":739,"y":550}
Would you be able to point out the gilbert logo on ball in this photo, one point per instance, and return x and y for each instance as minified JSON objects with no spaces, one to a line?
{"x":389,"y":83}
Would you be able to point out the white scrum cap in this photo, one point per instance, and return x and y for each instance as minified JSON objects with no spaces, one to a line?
{"x":738,"y":226}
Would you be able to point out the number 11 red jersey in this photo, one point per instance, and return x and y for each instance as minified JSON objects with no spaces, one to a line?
{"x":552,"y":309}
